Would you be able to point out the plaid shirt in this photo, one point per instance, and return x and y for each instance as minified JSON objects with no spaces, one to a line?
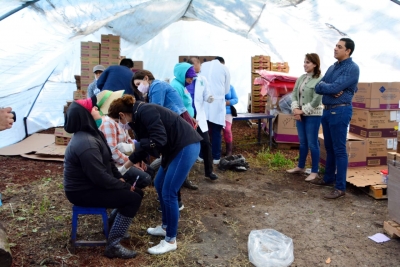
{"x":115,"y":135}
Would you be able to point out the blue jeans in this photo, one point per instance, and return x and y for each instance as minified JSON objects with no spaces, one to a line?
{"x":334,"y":124}
{"x":215,"y":131}
{"x":308,"y":129}
{"x":168,"y":182}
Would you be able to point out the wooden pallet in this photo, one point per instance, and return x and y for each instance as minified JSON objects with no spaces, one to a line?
{"x":378,"y":191}
{"x":392,"y":229}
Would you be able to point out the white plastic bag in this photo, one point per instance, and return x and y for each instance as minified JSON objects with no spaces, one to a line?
{"x":285,"y":104}
{"x":270,"y":248}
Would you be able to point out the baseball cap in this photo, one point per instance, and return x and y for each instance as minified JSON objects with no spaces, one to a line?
{"x":98,"y":67}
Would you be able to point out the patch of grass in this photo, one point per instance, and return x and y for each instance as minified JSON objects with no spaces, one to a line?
{"x":275,"y":161}
{"x":44,"y":204}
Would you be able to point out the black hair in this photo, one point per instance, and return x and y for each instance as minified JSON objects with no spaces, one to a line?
{"x":221,"y":59}
{"x":127,"y":62}
{"x":349,"y":44}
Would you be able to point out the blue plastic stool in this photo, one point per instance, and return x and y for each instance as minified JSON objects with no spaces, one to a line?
{"x":76,"y":210}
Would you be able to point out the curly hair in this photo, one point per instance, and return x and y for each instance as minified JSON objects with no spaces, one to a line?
{"x":123,"y":104}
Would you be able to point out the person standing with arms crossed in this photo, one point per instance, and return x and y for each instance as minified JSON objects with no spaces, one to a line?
{"x":338,"y":87}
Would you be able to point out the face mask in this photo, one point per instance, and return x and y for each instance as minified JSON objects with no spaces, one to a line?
{"x":99,"y":122}
{"x":143,"y":88}
{"x":123,"y":126}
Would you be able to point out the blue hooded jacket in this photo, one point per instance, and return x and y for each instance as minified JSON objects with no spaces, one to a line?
{"x":161,"y":93}
{"x":178,"y":83}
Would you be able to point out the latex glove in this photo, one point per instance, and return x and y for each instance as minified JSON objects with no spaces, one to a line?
{"x":210,"y":99}
{"x":126,"y":148}
{"x":122,"y":169}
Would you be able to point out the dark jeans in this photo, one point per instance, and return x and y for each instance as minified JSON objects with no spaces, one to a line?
{"x":205,"y":146}
{"x":125,"y":201}
{"x":216,"y":139}
{"x":144,"y":177}
{"x":308,"y":129}
{"x":334,"y":124}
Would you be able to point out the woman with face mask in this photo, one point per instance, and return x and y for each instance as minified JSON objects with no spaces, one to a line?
{"x":91,"y":178}
{"x":161,"y":131}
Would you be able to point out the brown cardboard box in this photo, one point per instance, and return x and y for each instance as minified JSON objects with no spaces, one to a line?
{"x":90,"y":53}
{"x":109,"y":38}
{"x":90,"y":61}
{"x":377,"y":95}
{"x":201,"y":58}
{"x":138,"y":65}
{"x":90,"y":46}
{"x":285,"y":130}
{"x":391,"y":158}
{"x":374,"y":123}
{"x":261,"y":58}
{"x":79,"y":94}
{"x":111,"y":47}
{"x":59,"y":140}
{"x":356,"y":147}
{"x":377,"y":149}
{"x":61,"y":132}
{"x":280,"y":66}
{"x":260,"y":65}
{"x":393,"y":191}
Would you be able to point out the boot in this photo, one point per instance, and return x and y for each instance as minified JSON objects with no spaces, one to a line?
{"x":229,"y":149}
{"x":111,"y":220}
{"x":189,"y":184}
{"x":114,"y":249}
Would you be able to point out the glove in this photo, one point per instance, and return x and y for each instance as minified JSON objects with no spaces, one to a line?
{"x":126,"y":148}
{"x":210,"y":99}
{"x":122,"y":170}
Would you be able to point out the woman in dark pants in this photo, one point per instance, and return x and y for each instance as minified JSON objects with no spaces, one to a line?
{"x":91,"y":178}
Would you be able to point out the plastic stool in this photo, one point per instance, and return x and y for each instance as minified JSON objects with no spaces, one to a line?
{"x":76,"y":210}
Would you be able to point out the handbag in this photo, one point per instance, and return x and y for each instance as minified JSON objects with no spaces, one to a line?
{"x":233,"y":111}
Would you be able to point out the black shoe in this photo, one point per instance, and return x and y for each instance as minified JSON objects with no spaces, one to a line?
{"x":118,"y":251}
{"x":189,"y":184}
{"x":180,"y":204}
{"x":212,"y":176}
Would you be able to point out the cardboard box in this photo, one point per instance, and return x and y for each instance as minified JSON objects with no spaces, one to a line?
{"x":109,"y":38}
{"x":377,"y":149}
{"x":201,"y":58}
{"x":374,"y":123}
{"x":79,"y":94}
{"x":90,"y":45}
{"x":62,"y":140}
{"x":393,"y":191}
{"x":356,"y":147}
{"x":111,"y":47}
{"x":61,"y":132}
{"x":106,"y":62}
{"x":90,"y":60}
{"x":261,"y":58}
{"x":364,"y":176}
{"x":110,"y":54}
{"x":391,"y":158}
{"x":138,"y":65}
{"x":90,"y":53}
{"x":377,"y":95}
{"x":260,"y":66}
{"x":284,"y":128}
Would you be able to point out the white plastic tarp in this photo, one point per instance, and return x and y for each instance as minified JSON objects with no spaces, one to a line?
{"x":40,"y":43}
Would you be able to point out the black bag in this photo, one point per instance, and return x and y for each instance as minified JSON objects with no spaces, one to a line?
{"x":233,"y":111}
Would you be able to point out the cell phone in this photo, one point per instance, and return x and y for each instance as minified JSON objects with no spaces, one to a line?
{"x":15,"y":116}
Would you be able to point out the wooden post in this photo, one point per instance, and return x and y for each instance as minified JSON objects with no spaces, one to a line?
{"x":5,"y":252}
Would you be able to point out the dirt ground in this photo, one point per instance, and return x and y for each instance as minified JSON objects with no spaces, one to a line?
{"x":214,"y":225}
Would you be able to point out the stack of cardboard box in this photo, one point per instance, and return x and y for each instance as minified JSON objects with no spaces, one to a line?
{"x":62,"y":137}
{"x":90,"y":57}
{"x":280,"y":67}
{"x":256,"y":100}
{"x":110,"y":50}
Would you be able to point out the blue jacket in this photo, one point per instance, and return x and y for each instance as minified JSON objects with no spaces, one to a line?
{"x":232,"y":97}
{"x":179,"y":84}
{"x":161,"y":93}
{"x":116,"y":78}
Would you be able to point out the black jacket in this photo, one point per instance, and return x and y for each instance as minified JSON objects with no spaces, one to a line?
{"x":160,"y":131}
{"x":88,"y":163}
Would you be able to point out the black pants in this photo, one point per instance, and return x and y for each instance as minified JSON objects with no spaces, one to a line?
{"x":206,"y":153}
{"x":125,"y":201}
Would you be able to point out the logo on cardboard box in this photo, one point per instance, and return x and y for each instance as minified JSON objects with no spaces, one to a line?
{"x":382,"y":89}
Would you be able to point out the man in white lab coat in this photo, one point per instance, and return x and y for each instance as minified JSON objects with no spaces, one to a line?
{"x":218,"y":78}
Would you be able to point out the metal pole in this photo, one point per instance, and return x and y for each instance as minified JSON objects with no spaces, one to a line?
{"x":17,"y":9}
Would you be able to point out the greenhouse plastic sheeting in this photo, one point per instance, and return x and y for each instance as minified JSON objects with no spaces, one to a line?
{"x":39,"y":51}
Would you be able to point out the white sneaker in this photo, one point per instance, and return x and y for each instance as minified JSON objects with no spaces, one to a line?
{"x":199,"y":160}
{"x":216,"y":161}
{"x":157,"y":231}
{"x":162,"y":248}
